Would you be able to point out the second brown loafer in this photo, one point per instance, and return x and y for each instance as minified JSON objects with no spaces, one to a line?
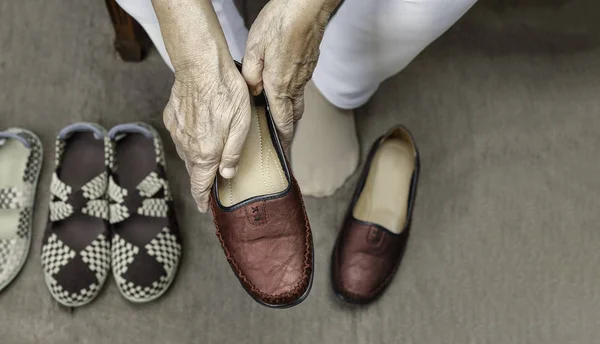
{"x":261,"y":221}
{"x":373,"y":238}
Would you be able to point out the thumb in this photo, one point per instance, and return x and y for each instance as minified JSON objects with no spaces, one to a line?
{"x":252,"y":67}
{"x":232,"y":151}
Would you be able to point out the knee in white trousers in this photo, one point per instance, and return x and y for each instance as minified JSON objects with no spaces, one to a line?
{"x":365,"y":43}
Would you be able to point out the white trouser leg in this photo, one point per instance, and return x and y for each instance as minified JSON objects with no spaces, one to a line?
{"x":367,"y":42}
{"x":231,"y":21}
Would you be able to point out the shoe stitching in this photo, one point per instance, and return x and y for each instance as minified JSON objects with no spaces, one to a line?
{"x":307,"y":270}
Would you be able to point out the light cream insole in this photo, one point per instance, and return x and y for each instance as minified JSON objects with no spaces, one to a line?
{"x":13,"y":160}
{"x":259,"y":171}
{"x":384,"y":198}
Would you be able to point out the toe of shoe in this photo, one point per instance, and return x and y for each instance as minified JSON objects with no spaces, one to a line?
{"x":62,"y":295}
{"x":141,"y":294}
{"x":355,"y":284}
{"x":285,"y":297}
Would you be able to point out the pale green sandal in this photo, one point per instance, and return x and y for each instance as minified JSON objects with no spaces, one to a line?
{"x":20,"y":164}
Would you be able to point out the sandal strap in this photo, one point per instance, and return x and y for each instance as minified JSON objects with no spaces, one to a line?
{"x":147,"y":188}
{"x":151,"y":185}
{"x":59,"y":189}
{"x":16,"y":197}
{"x":154,"y":207}
{"x":60,"y":210}
{"x":92,"y":191}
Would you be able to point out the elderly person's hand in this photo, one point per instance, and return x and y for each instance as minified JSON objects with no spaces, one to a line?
{"x":281,"y":54}
{"x":209,"y":114}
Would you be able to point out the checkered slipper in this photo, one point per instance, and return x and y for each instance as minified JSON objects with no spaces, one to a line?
{"x":20,"y":165}
{"x":76,"y":244}
{"x":146,"y":243}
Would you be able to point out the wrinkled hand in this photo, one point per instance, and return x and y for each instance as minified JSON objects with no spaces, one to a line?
{"x":281,"y":54}
{"x":208,"y":116}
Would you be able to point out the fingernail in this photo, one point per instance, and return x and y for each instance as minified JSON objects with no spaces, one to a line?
{"x":228,"y":172}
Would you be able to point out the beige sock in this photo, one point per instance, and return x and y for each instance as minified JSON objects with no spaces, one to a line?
{"x":325,"y":149}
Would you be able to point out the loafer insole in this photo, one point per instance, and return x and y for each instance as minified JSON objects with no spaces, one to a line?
{"x":260,"y":171}
{"x":384,"y":198}
{"x":81,"y":161}
{"x":13,"y":161}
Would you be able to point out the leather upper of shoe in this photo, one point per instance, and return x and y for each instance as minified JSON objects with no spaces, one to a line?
{"x":367,"y":255}
{"x":365,"y":258}
{"x":269,"y":245}
{"x":267,"y":239}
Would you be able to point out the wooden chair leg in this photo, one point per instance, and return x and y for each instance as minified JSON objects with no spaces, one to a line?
{"x":131,"y":41}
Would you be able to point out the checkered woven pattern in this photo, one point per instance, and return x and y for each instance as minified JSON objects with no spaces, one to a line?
{"x":25,"y":220}
{"x":8,"y":198}
{"x":123,"y":253}
{"x":55,"y":254}
{"x":96,"y":208}
{"x":96,"y":188}
{"x":116,"y":193}
{"x":148,"y":187}
{"x":109,"y":153}
{"x":71,"y":299}
{"x":151,"y":185}
{"x":88,"y":267}
{"x":97,"y":256}
{"x":34,"y":161}
{"x":137,"y":292}
{"x":17,"y":197}
{"x":59,"y":210}
{"x":154,"y":207}
{"x":165,"y":249}
{"x":59,"y":189}
{"x":158,"y":145}
{"x":59,"y":150}
{"x":94,"y":191}
{"x":13,"y":250}
{"x":118,"y":213}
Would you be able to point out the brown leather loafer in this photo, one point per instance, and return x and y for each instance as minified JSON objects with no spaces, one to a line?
{"x":261,"y":221}
{"x":373,"y":238}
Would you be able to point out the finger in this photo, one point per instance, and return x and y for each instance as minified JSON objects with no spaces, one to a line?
{"x":170,"y":123}
{"x":253,"y":65}
{"x":298,"y":104}
{"x":282,"y":110}
{"x":202,"y":177}
{"x":235,"y":141}
{"x":180,"y":152}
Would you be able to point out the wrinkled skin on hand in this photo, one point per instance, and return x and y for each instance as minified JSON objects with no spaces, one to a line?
{"x":209,"y":114}
{"x":282,"y":53}
{"x":208,"y":119}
